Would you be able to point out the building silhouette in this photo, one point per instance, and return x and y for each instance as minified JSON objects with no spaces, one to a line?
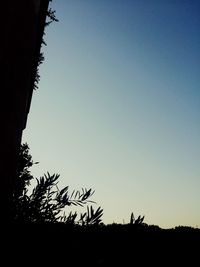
{"x":22,"y":29}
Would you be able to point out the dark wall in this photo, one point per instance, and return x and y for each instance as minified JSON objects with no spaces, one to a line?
{"x":22,"y":23}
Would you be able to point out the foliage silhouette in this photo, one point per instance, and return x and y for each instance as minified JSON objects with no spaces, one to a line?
{"x":108,"y":245}
{"x":136,"y":221}
{"x":46,"y":202}
{"x":51,"y":17}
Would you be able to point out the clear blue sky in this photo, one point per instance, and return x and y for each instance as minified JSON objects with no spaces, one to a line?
{"x":118,"y":107}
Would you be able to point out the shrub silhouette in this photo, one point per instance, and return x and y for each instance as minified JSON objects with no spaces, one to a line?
{"x":46,"y":202}
{"x":136,"y":221}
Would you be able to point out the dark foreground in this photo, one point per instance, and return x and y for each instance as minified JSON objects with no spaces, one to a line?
{"x":104,"y":245}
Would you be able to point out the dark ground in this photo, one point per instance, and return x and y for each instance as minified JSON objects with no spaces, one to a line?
{"x":104,"y":245}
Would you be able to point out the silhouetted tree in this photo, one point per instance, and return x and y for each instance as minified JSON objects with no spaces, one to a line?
{"x":46,"y":202}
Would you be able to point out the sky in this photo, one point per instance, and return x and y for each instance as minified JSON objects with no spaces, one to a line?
{"x":118,"y":107}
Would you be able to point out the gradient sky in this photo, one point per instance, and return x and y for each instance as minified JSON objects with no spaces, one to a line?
{"x":118,"y":107}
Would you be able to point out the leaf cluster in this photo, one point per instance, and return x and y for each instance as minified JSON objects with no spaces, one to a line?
{"x":46,"y":202}
{"x":136,"y":221}
{"x":50,"y":17}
